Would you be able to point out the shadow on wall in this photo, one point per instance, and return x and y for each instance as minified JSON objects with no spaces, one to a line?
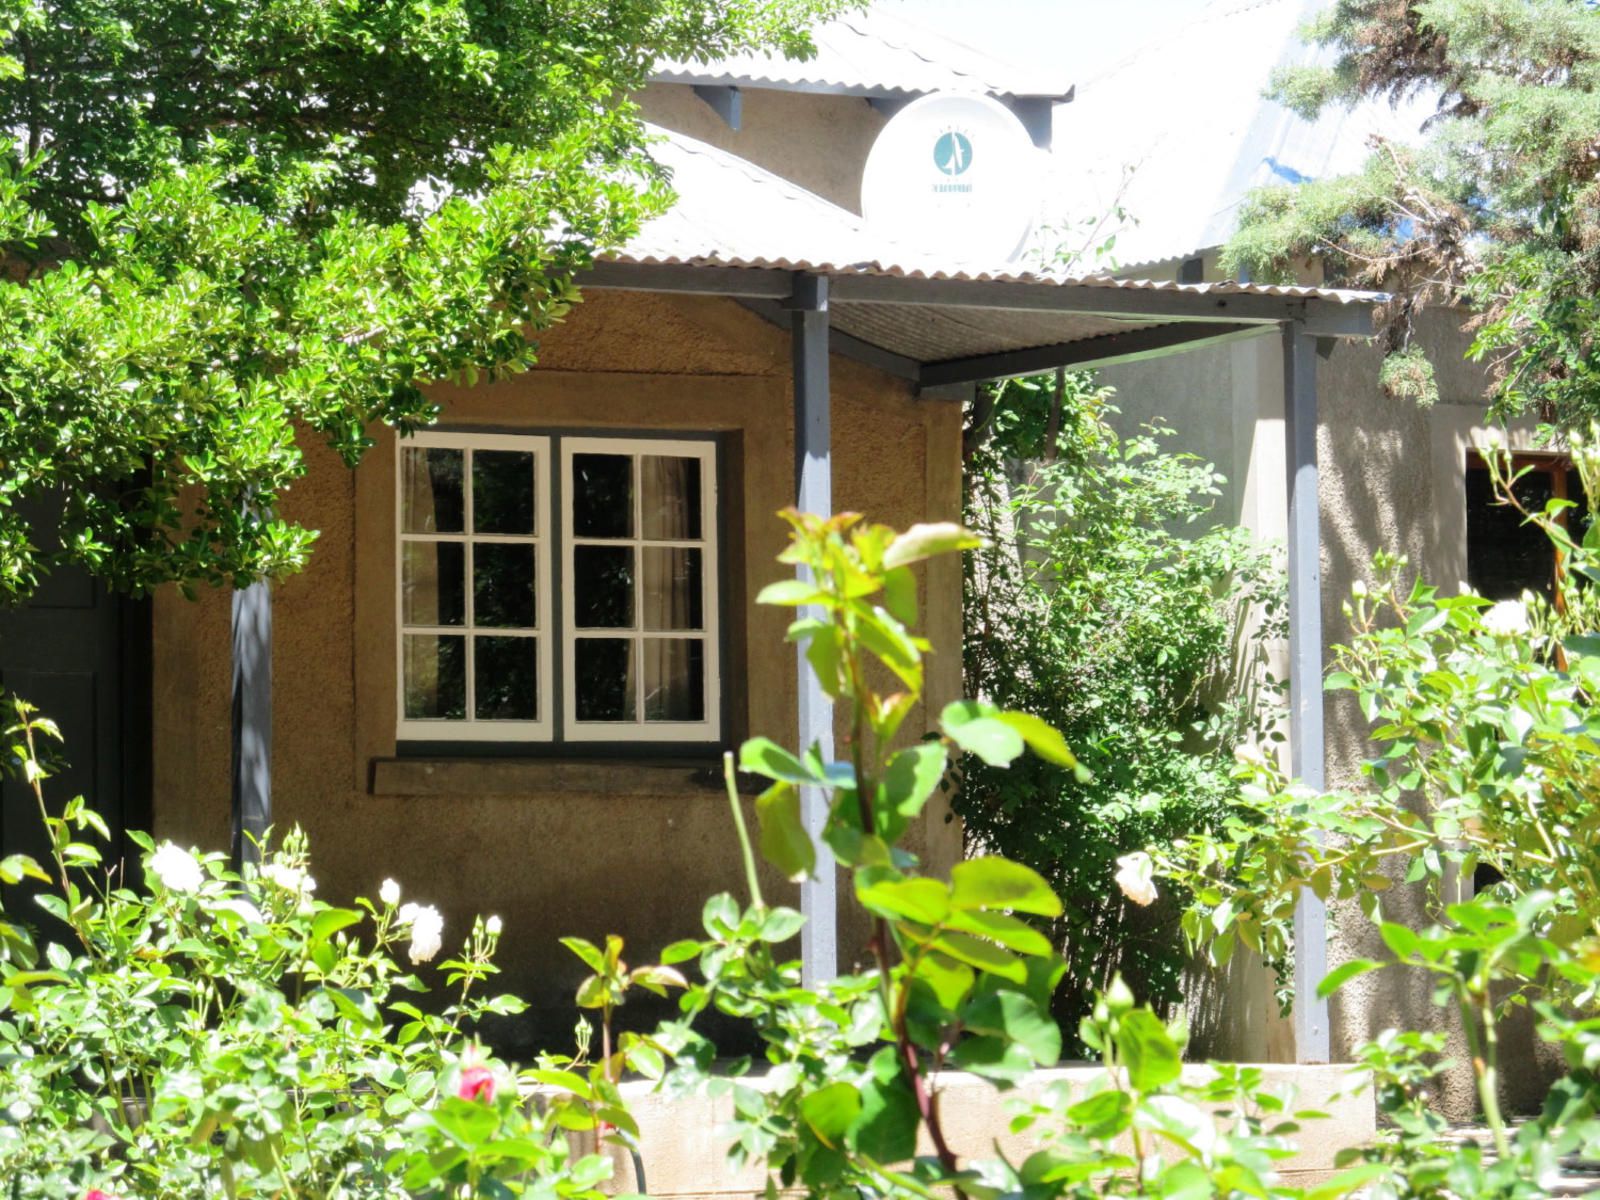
{"x":1377,"y":493}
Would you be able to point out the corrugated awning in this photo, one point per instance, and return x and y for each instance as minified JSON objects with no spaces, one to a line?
{"x":740,"y":231}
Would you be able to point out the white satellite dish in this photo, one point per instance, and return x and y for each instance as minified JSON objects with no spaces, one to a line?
{"x":955,"y":175}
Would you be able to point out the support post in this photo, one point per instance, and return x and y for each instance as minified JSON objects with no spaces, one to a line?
{"x":1311,"y":1036}
{"x":813,"y":478}
{"x":252,"y":719}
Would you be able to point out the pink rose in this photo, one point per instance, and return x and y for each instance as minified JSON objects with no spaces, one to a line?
{"x":477,"y":1083}
{"x":97,"y":1194}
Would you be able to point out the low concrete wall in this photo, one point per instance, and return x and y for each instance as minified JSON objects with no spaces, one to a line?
{"x":685,"y":1140}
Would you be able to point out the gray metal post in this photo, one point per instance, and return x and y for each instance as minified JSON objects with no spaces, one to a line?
{"x":1311,"y":1042}
{"x":252,"y":718}
{"x":813,"y":477}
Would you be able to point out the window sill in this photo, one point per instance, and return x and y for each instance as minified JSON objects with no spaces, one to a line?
{"x":534,"y":776}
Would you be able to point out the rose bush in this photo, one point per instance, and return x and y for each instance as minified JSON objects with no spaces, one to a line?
{"x":232,"y":1035}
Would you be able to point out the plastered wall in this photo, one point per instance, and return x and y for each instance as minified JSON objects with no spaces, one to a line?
{"x":571,"y":846}
{"x":1391,"y":479}
{"x":819,"y":142}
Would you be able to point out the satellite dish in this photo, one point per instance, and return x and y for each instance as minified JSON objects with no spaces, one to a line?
{"x":954,"y":174}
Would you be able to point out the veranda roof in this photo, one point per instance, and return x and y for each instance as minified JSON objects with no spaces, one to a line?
{"x":741,"y":231}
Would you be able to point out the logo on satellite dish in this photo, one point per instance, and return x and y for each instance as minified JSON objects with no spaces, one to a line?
{"x":952,"y":155}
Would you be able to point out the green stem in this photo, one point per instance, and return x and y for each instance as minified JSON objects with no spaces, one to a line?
{"x":750,"y":877}
{"x":1484,"y":1046}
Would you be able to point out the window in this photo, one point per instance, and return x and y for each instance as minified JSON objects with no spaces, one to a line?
{"x":574,"y":607}
{"x":1506,"y":556}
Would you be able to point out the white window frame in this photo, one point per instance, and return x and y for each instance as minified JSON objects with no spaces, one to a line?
{"x":640,"y":730}
{"x":468,"y":729}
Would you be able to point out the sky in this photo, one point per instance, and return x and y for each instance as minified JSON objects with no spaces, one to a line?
{"x":1076,"y":35}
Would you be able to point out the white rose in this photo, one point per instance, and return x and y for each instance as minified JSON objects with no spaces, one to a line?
{"x":1508,"y":618}
{"x":493,"y":926}
{"x":1134,"y":873}
{"x":290,"y":879}
{"x":389,"y":892}
{"x":427,"y":930}
{"x":408,"y":913}
{"x":175,"y":868}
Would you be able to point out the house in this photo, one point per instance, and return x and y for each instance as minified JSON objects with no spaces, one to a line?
{"x":526,"y":635}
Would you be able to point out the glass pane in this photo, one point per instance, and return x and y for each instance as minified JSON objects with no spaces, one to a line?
{"x":602,"y":587}
{"x":435,"y":676}
{"x":502,"y":585}
{"x":433,"y":585}
{"x":671,"y":595}
{"x":1504,"y":556}
{"x":502,"y":491}
{"x":505,"y":679}
{"x":604,"y":679}
{"x":670,"y":497}
{"x":430,"y":490}
{"x":602,"y":495}
{"x":674,"y":679}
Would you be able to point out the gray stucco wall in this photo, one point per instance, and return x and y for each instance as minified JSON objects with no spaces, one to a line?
{"x":1390,"y":479}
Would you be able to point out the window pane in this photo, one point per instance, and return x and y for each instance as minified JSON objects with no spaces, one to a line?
{"x":604,"y":679}
{"x":670,"y":497}
{"x":433,"y":584}
{"x":602,"y":495}
{"x":502,"y":491}
{"x":430,"y":490}
{"x":435,"y":676}
{"x":505,"y":676}
{"x":1504,"y":556}
{"x":674,"y":679}
{"x":502,"y":585}
{"x":671,"y":596}
{"x":602,"y":587}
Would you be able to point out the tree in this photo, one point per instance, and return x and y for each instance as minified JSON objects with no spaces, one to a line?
{"x":232,"y":221}
{"x":1499,"y":206}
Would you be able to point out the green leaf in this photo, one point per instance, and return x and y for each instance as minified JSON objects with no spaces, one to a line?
{"x":764,"y":757}
{"x":1147,"y":1050}
{"x":587,"y":951}
{"x":995,"y":882}
{"x":781,"y":924}
{"x":900,"y":594}
{"x":681,"y":951}
{"x":1042,"y":738}
{"x":976,"y":728}
{"x":886,"y":1129}
{"x":1343,"y":973}
{"x":784,"y":840}
{"x":923,"y":900}
{"x":927,"y":540}
{"x":1002,"y":929}
{"x":330,"y":920}
{"x":791,"y":593}
{"x":983,"y":955}
{"x":830,"y":1111}
{"x":908,"y":780}
{"x":1403,"y":941}
{"x":1016,"y":1017}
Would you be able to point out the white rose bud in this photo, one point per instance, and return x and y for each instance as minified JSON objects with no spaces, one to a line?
{"x":492,"y":926}
{"x":1134,"y":877}
{"x":389,"y":892}
{"x":1508,"y":618}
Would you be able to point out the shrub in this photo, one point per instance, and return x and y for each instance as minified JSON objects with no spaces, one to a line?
{"x":1104,"y":604}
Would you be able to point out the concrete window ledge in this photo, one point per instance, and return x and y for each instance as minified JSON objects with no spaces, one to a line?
{"x":532,"y":776}
{"x":684,"y":1144}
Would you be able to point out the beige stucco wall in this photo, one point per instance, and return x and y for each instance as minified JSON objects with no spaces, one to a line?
{"x":819,"y":142}
{"x":1391,"y":479}
{"x":570,"y":847}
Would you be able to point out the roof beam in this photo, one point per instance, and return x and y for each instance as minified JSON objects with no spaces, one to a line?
{"x":727,"y":102}
{"x":843,"y":344}
{"x":1037,"y":114}
{"x":1323,"y":318}
{"x":1132,"y":346}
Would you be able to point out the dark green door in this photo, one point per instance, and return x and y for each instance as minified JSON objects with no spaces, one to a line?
{"x":80,"y":654}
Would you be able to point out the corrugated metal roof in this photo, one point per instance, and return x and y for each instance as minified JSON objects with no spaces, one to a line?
{"x":1177,"y":159}
{"x":731,"y":213}
{"x":875,"y":53}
